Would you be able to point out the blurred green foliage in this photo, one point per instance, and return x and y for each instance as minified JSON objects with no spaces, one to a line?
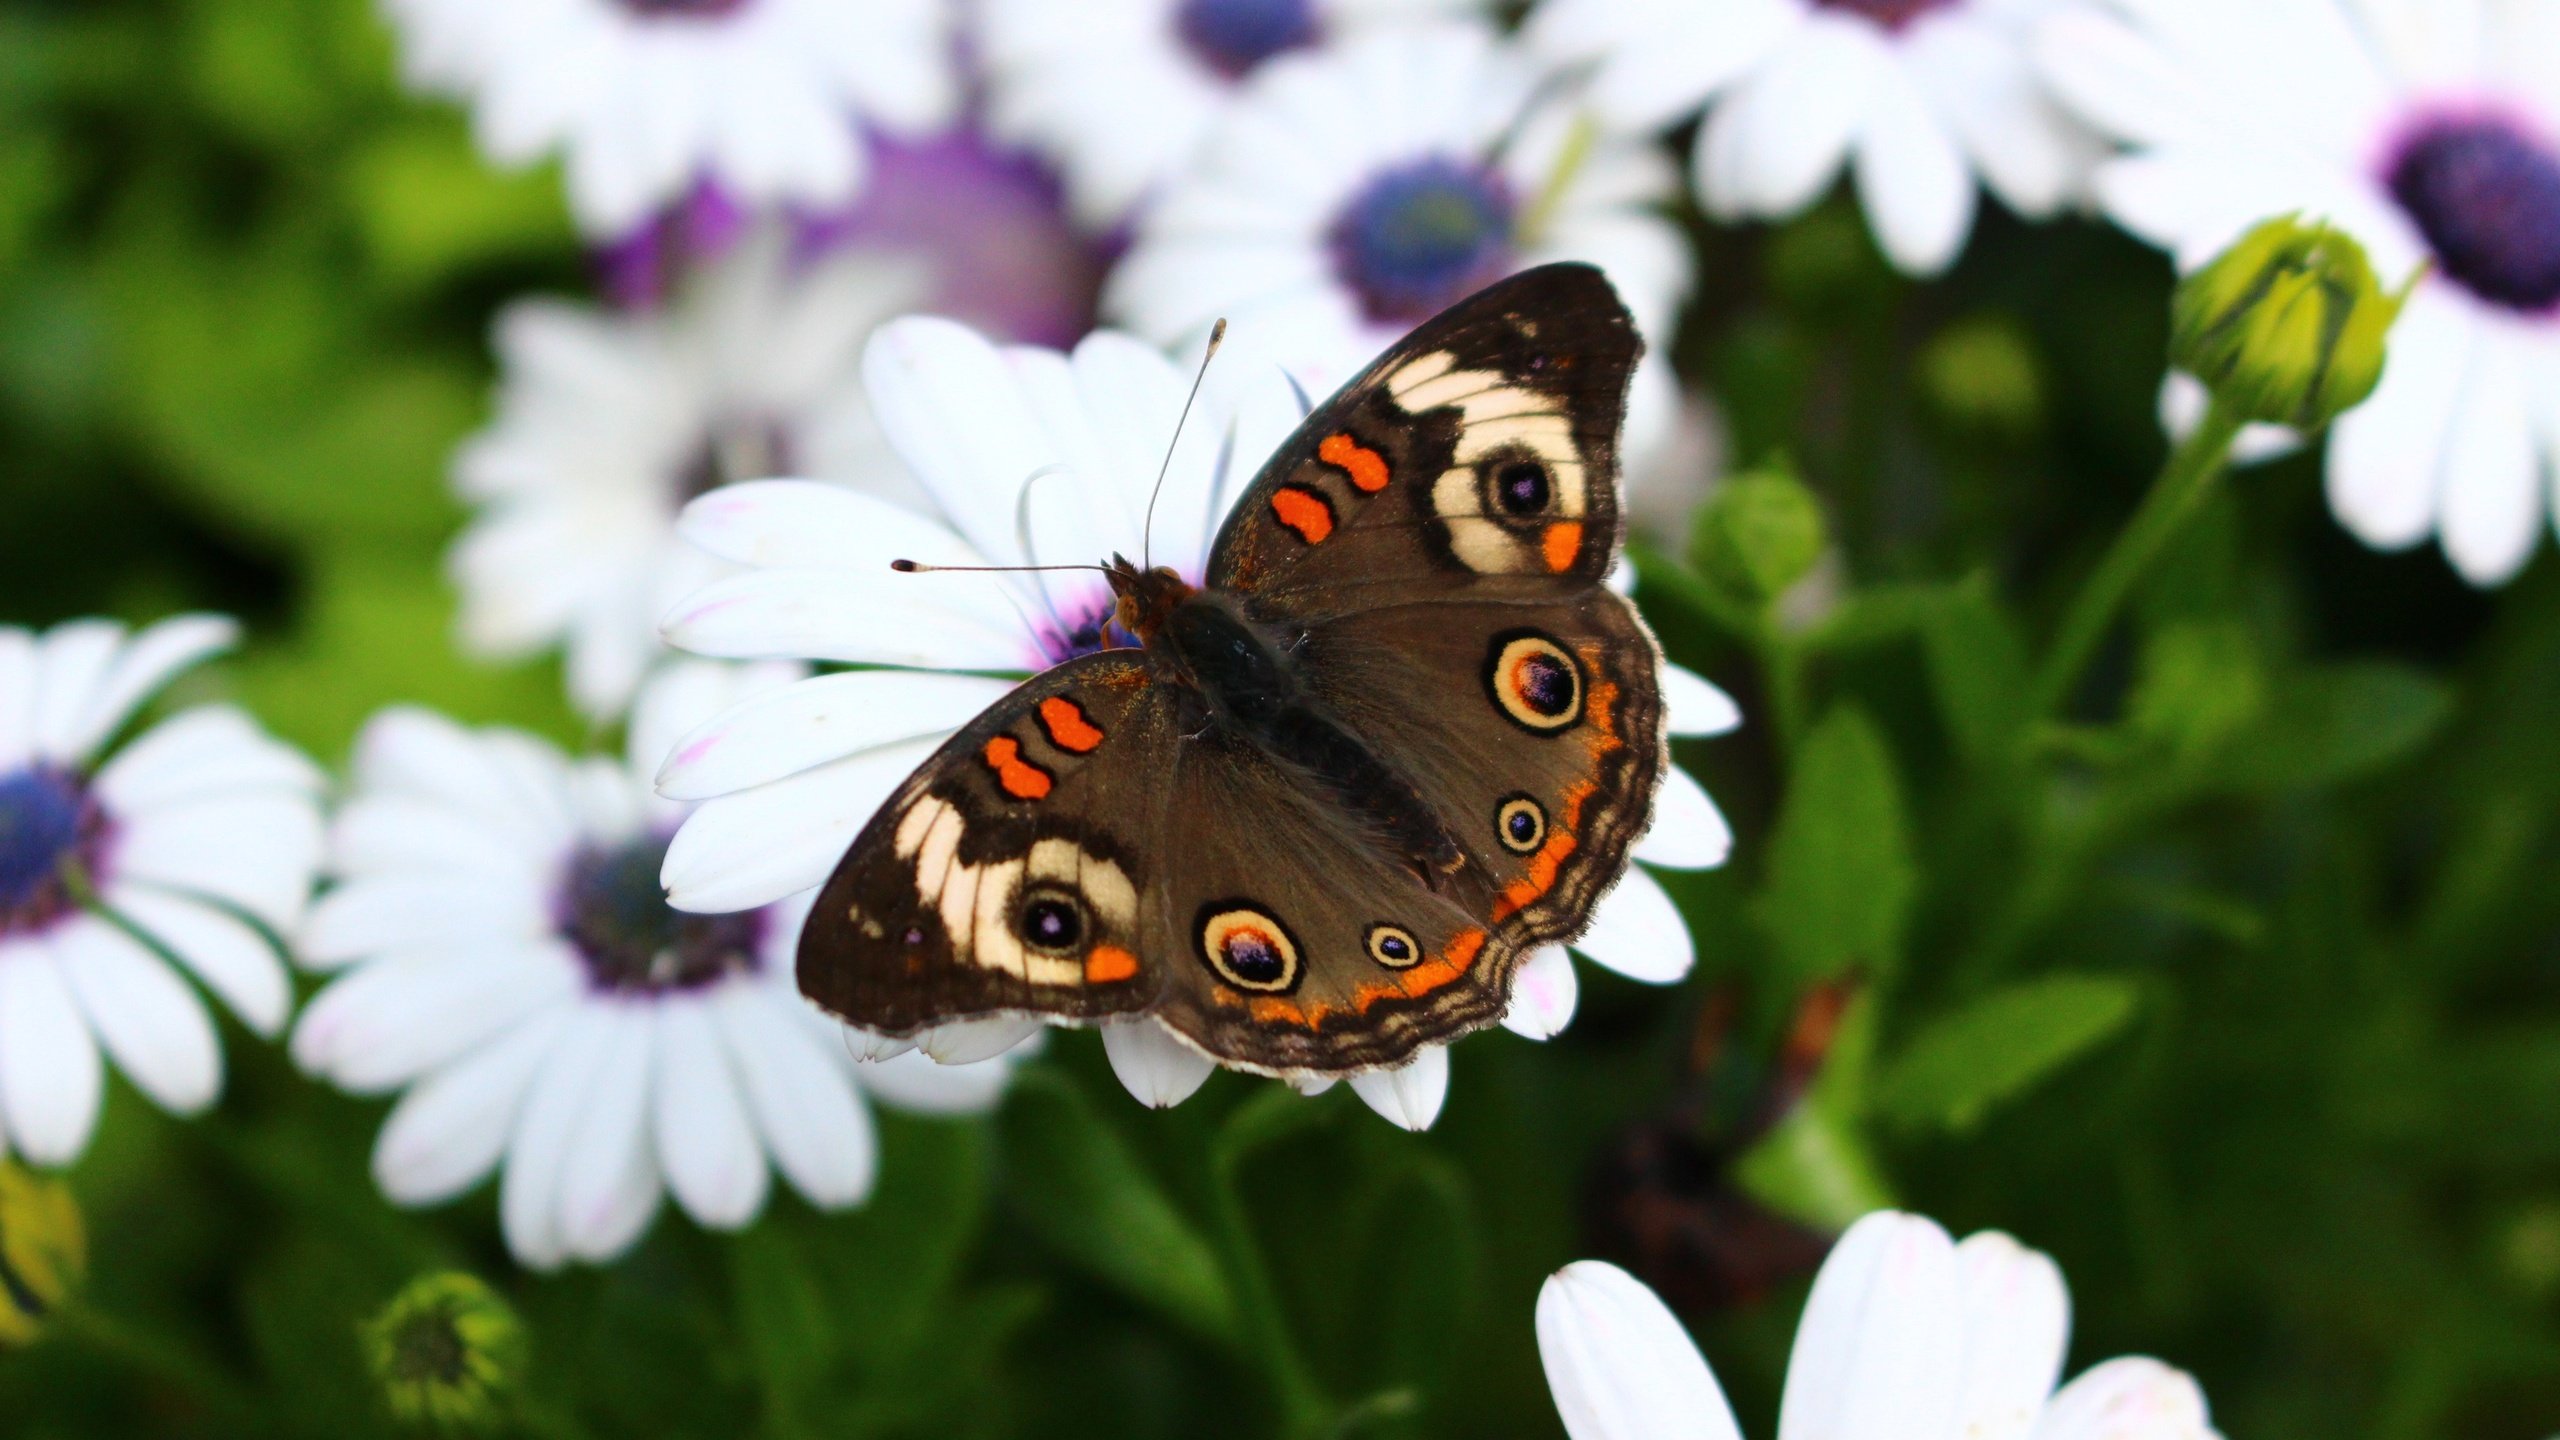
{"x":2234,"y":982}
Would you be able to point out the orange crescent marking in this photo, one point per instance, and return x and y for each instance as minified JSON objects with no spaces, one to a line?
{"x":1563,"y":542}
{"x":1544,"y":866}
{"x":1020,"y":778}
{"x":1440,"y":970}
{"x":1366,"y":467}
{"x":1106,"y":964}
{"x":1068,"y":728}
{"x":1304,"y":511}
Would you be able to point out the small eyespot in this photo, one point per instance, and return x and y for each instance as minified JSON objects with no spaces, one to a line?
{"x":1521,"y":825}
{"x":1535,"y":681}
{"x":1050,"y":920}
{"x":1393,"y":946}
{"x":1248,"y":948}
{"x":1521,"y":487}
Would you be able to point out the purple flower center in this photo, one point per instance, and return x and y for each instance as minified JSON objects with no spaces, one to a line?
{"x":1891,"y":14}
{"x":611,"y":907}
{"x":1422,"y":235}
{"x":49,"y":825}
{"x":683,"y":9}
{"x":1234,"y":36}
{"x":2486,"y":196}
{"x":1085,"y":634}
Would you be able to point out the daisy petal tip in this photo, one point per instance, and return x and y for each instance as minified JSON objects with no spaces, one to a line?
{"x":1411,"y":1095}
{"x":1158,"y":1070}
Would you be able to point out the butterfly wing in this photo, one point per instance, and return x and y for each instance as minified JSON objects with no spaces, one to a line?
{"x":1007,"y":874}
{"x":1480,"y":454}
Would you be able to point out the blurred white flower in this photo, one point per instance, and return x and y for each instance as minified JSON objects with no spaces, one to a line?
{"x":1029,"y":456}
{"x":1906,"y":1335}
{"x":122,"y":865}
{"x":607,"y":423}
{"x":2430,"y":131}
{"x":642,"y":99}
{"x":1118,"y":93}
{"x":1920,"y":97}
{"x":503,"y":955}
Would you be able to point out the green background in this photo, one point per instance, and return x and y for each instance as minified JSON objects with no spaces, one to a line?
{"x":2237,"y":987}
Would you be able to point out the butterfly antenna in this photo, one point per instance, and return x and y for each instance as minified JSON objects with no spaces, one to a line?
{"x":1147,"y":534}
{"x":918,"y":567}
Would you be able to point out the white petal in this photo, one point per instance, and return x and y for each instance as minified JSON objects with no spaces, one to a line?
{"x":714,"y":1165}
{"x":1774,"y":144}
{"x":151,"y":1024}
{"x":257,"y":850}
{"x":814,"y":721}
{"x":2132,"y":1398}
{"x":366,"y":917}
{"x":1158,"y":1069}
{"x":1637,"y":931}
{"x":968,"y":1042}
{"x":155,"y":656}
{"x":609,"y":1188}
{"x":2387,"y":456}
{"x":855,"y":616}
{"x":72,"y":660}
{"x":2017,"y":1321}
{"x":393,"y":1019}
{"x":752,"y":848}
{"x":50,"y":1076}
{"x":1688,"y":832}
{"x":204,"y":752}
{"x":804,"y":1103}
{"x":449,"y":1130}
{"x":1619,"y":1363}
{"x":1543,"y":994}
{"x":508,"y":781}
{"x":1879,"y":1353}
{"x":546,"y":1128}
{"x":2492,"y":471}
{"x":1918,"y":192}
{"x":233,"y":960}
{"x":1693,"y":705}
{"x":17,"y":697}
{"x":915,"y":1082}
{"x":1411,"y":1094}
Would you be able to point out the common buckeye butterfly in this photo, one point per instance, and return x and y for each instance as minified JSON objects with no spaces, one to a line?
{"x":1399,"y":737}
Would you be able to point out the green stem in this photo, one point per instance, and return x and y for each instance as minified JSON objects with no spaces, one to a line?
{"x":2184,"y":481}
{"x":1304,"y":1410}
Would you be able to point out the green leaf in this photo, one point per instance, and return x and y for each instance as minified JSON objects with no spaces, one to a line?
{"x":1963,"y":1064}
{"x":1816,"y":1165}
{"x":1978,"y":668}
{"x":1840,"y":870}
{"x":430,"y":207}
{"x":1077,"y":1183}
{"x":2338,"y":723}
{"x":2201,"y":681}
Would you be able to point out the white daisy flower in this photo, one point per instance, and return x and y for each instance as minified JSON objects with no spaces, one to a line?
{"x":1906,"y":1335}
{"x":608,"y":422}
{"x":122,"y":866}
{"x":503,"y":956}
{"x":1354,"y":192}
{"x":641,"y":99}
{"x":788,"y":781}
{"x":1918,"y":97}
{"x":1118,"y":93}
{"x":2430,"y":131}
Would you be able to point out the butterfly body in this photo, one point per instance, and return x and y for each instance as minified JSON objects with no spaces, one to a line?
{"x":1399,"y":736}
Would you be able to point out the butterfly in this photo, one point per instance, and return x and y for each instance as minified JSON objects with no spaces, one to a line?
{"x":1400,"y":736}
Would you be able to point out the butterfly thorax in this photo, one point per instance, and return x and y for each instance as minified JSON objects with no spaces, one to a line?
{"x":1248,"y":687}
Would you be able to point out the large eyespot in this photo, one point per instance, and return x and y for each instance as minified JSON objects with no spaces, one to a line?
{"x":1516,"y":483}
{"x":1248,"y":947}
{"x":1050,"y":919}
{"x":1521,"y":825}
{"x":1534,"y":681}
{"x":1393,"y":946}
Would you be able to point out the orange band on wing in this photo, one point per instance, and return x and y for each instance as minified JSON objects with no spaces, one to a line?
{"x":1107,"y":964}
{"x":1563,"y":542}
{"x":1432,"y":974}
{"x":1020,"y":778}
{"x":1548,"y":863}
{"x":1303,"y":511}
{"x":1366,"y":467}
{"x":1067,"y":726}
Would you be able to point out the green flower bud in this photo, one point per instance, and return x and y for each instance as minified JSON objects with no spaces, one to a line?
{"x":1981,"y":378}
{"x":448,"y":1353}
{"x":1758,"y":534}
{"x":2287,"y":326}
{"x":43,"y":1252}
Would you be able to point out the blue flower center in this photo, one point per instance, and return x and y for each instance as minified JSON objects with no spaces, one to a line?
{"x":611,"y":908}
{"x":676,"y":9}
{"x":1234,"y":36}
{"x":2487,"y":198}
{"x":1086,"y":634}
{"x":1891,"y":14}
{"x":1422,"y":235}
{"x":49,"y":823}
